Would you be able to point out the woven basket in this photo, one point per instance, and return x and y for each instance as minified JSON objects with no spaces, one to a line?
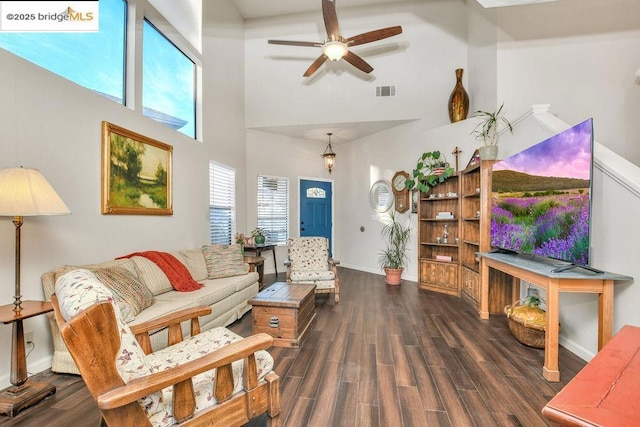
{"x":528,"y":334}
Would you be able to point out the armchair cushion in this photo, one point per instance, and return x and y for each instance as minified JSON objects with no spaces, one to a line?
{"x":80,"y":289}
{"x":302,"y":276}
{"x":200,"y":345}
{"x":309,"y":263}
{"x":308,"y":254}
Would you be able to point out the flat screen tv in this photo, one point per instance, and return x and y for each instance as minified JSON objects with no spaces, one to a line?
{"x":541,"y":198}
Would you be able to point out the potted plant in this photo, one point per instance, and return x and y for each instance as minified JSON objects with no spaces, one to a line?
{"x":394,"y":257}
{"x":432,"y":168}
{"x":259,"y":235}
{"x":488,"y":131}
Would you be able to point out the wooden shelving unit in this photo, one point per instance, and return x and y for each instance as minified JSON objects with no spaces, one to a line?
{"x":475,"y":215}
{"x":467,"y":196}
{"x":439,"y":257}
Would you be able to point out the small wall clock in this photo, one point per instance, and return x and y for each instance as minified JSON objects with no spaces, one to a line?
{"x":400,"y":192}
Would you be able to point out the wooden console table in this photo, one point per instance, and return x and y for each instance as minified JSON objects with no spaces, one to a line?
{"x":605,"y":392}
{"x":539,"y":272}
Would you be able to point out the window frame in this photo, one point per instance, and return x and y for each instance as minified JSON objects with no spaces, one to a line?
{"x":83,"y":80}
{"x":156,"y":23}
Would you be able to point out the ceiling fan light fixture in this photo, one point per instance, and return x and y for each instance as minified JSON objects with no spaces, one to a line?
{"x":329,"y":155}
{"x":334,"y":50}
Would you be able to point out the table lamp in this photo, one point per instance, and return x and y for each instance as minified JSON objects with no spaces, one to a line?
{"x":24,"y":192}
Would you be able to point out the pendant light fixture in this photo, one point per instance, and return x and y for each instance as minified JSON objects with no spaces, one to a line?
{"x":329,"y":155}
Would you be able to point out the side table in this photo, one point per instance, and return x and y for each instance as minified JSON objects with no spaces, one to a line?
{"x":256,"y":263}
{"x":22,"y":393}
{"x":258,"y":249}
{"x":284,"y":311}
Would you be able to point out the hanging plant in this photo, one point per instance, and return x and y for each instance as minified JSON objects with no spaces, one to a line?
{"x":432,"y":168}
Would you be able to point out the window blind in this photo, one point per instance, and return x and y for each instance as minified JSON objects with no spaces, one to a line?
{"x":273,"y":208}
{"x":222,"y":204}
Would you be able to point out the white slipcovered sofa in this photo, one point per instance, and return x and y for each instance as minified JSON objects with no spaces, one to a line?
{"x":144,"y":291}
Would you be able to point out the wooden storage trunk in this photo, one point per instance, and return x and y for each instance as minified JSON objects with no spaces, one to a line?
{"x":284,"y":311}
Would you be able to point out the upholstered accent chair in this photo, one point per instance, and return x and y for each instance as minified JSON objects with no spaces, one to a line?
{"x":308,"y":262}
{"x":213,"y":377}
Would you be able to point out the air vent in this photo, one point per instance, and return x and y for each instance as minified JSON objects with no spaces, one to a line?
{"x":385,"y":91}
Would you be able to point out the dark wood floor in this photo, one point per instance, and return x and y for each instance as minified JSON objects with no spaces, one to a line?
{"x":383,"y":356}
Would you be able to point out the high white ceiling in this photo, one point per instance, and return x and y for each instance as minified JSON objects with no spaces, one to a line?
{"x":343,"y":132}
{"x":253,"y":9}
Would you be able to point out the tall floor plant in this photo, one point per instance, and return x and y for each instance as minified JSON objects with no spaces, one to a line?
{"x":394,"y":257}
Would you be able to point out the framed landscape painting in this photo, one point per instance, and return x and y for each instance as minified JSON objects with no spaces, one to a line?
{"x":136,"y":173}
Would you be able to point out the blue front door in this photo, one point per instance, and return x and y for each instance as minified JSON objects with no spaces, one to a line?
{"x":315,"y":209}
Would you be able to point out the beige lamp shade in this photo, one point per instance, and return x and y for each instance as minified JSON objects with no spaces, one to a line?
{"x":26,"y":192}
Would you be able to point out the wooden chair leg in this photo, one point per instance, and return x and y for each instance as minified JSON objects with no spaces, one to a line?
{"x":273,"y":421}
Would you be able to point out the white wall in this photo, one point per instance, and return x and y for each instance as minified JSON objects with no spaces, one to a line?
{"x":51,"y":124}
{"x":274,"y":155}
{"x":223,"y":93}
{"x":482,"y":56}
{"x":420,"y":62}
{"x":580,"y":56}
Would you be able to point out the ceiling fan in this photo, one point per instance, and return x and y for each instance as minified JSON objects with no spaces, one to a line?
{"x":336,"y":47}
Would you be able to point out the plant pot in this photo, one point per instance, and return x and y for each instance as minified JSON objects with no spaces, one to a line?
{"x":394,"y":275}
{"x":488,"y":152}
{"x":259,"y":239}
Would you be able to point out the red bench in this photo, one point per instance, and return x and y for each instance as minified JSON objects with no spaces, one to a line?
{"x":606,"y":392}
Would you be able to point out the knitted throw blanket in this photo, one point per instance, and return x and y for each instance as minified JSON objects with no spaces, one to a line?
{"x":176,"y":272}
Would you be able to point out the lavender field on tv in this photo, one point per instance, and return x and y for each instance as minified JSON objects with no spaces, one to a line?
{"x":540,"y":198}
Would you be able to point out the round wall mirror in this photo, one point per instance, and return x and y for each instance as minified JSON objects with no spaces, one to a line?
{"x":380,"y":196}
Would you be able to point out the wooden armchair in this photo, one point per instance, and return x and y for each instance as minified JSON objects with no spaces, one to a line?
{"x":308,"y":262}
{"x":213,"y":377}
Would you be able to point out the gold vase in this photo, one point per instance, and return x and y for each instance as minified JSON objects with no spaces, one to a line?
{"x":459,"y":100}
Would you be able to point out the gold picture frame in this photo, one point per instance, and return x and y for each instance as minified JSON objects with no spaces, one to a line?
{"x":136,"y":173}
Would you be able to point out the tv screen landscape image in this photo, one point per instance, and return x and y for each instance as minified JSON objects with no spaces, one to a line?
{"x":541,"y":201}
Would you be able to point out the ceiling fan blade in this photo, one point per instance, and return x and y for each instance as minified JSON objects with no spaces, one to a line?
{"x":316,"y":64}
{"x":358,"y":62}
{"x":372,"y":36}
{"x":330,"y":19}
{"x":293,"y":43}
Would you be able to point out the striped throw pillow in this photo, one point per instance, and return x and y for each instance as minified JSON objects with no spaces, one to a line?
{"x":224,"y":261}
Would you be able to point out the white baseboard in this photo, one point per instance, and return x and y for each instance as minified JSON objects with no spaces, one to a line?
{"x":576,"y":349}
{"x":405,"y":276}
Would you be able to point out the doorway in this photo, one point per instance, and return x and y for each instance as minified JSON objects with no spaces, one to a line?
{"x":316,"y":209}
